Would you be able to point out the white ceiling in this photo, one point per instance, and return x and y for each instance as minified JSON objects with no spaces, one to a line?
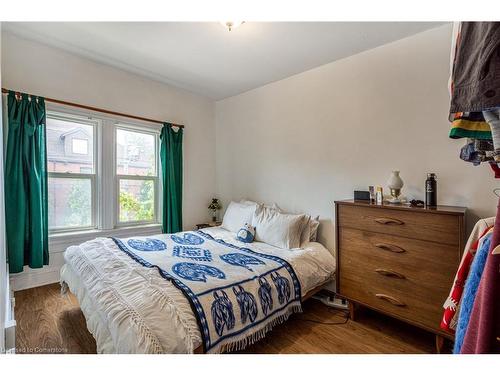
{"x":207,"y":59}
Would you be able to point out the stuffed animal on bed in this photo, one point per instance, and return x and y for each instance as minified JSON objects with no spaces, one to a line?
{"x":246,"y":234}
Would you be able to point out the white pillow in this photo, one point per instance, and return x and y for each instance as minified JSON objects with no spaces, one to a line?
{"x":313,"y":225}
{"x":237,"y":215}
{"x":277,"y":229}
{"x":248,"y":202}
{"x":305,"y":236}
{"x":273,"y":206}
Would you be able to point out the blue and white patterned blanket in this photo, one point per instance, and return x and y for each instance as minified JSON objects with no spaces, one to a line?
{"x":236,"y":294}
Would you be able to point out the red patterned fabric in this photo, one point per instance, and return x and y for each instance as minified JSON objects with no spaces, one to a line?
{"x":453,"y":301}
{"x":496,"y":169}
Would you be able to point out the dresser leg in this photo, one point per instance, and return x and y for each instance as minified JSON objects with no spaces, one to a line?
{"x":352,"y":314}
{"x":439,"y":344}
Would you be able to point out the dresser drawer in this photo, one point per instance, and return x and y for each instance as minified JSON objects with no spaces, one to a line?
{"x":400,"y":276}
{"x":400,"y":298}
{"x":428,"y":264}
{"x":424,"y":226}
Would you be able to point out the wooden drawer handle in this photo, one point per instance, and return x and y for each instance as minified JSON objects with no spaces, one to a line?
{"x":388,"y":247}
{"x":388,"y":221}
{"x":390,"y":273}
{"x":390,"y":299}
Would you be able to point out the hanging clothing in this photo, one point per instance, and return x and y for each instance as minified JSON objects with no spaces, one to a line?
{"x":496,"y":169}
{"x":470,"y":290}
{"x":469,"y":125}
{"x":475,"y":88}
{"x":26,"y":202}
{"x":171,"y":165}
{"x":483,"y":330}
{"x":452,"y":303}
{"x":477,"y":151}
{"x":492,"y":117}
{"x":476,"y":68}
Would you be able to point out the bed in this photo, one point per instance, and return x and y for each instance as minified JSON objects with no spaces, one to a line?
{"x":131,"y":307}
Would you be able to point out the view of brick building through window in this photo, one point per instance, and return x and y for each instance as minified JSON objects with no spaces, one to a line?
{"x":71,"y":166}
{"x":136,"y":156}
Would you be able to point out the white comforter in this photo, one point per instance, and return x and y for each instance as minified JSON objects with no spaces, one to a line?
{"x":132,"y":309}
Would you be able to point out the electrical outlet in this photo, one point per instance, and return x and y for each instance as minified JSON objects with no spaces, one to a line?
{"x":334,"y":302}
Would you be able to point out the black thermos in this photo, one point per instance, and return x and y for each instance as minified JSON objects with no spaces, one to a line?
{"x":431,"y":190}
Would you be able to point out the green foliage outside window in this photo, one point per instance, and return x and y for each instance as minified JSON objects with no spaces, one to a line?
{"x":140,"y":207}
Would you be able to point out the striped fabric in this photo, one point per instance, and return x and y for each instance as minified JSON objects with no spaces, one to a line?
{"x":469,"y":125}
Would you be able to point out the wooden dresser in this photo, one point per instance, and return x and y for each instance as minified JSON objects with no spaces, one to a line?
{"x":399,"y":260}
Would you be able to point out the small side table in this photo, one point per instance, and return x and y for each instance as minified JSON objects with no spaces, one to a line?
{"x":208,"y":224}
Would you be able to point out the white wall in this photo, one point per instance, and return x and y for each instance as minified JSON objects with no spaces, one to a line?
{"x":313,"y":138}
{"x":38,"y":69}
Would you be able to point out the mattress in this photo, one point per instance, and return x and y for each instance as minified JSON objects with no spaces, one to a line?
{"x":132,"y":309}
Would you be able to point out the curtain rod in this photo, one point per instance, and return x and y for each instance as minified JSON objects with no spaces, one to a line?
{"x":4,"y":90}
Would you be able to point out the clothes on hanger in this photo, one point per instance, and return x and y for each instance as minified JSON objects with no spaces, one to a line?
{"x":477,"y":151}
{"x":452,"y":303}
{"x":476,"y":68}
{"x":492,"y":117}
{"x":496,"y":169}
{"x":483,"y":330}
{"x":475,"y":114}
{"x":475,"y":89}
{"x":469,"y":125}
{"x":464,"y":124}
{"x":470,"y":290}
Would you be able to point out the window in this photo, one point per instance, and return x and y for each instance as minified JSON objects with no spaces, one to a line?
{"x":80,"y":146}
{"x":137,"y":175}
{"x":95,"y":186}
{"x":72,"y":172}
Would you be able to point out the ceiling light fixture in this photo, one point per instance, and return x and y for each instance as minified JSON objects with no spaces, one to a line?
{"x":230,"y":25}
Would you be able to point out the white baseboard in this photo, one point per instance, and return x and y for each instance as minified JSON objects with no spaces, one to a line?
{"x":31,"y":280}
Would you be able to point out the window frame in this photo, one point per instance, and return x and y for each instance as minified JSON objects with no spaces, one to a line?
{"x":96,"y":124}
{"x":118,"y":177}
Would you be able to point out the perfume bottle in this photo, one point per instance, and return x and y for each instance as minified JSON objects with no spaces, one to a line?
{"x":380,"y":195}
{"x":371,"y":189}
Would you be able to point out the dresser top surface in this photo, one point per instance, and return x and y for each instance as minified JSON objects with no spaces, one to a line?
{"x":448,"y":210}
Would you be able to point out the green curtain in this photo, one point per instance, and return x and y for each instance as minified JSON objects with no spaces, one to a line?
{"x":26,"y":205}
{"x":171,"y":165}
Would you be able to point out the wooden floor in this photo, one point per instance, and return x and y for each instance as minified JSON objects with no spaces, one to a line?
{"x":50,"y":323}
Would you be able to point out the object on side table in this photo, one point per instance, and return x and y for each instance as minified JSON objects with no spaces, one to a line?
{"x":361,"y":195}
{"x":399,"y":260}
{"x":214,"y":206}
{"x":395,"y":184}
{"x":207,"y":225}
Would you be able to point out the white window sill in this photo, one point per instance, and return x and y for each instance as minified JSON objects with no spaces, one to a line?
{"x":77,"y":237}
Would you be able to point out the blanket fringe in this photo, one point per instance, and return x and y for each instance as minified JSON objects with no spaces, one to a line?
{"x":241,"y":343}
{"x":119,"y":309}
{"x":64,"y":288}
